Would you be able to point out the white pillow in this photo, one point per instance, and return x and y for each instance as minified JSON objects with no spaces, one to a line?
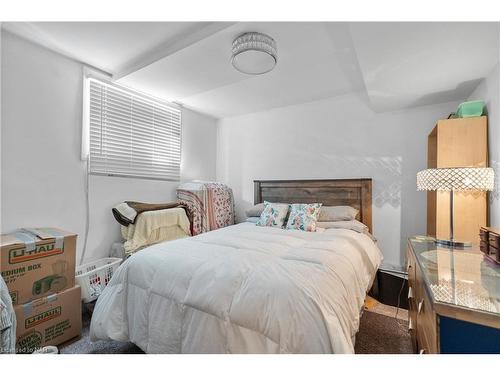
{"x":337,"y":213}
{"x":252,"y":219}
{"x":354,"y":225}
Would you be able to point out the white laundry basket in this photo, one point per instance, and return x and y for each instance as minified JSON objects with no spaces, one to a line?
{"x":94,"y":276}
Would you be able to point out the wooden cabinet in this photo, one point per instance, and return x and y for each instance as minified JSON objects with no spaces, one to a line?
{"x":453,"y":298}
{"x":426,"y":318}
{"x":412,"y":308}
{"x":422,"y":318}
{"x":459,"y":142}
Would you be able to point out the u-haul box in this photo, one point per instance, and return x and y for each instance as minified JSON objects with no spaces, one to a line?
{"x":36,"y":262}
{"x":50,"y":320}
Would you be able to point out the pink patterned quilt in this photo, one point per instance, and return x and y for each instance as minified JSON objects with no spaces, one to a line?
{"x":211,"y":205}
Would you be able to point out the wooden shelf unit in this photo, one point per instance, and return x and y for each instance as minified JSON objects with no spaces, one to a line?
{"x":461,"y":142}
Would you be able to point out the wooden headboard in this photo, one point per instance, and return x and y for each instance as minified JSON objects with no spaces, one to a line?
{"x":356,"y":193}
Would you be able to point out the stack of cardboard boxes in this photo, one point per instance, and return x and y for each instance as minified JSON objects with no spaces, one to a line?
{"x":38,"y":266}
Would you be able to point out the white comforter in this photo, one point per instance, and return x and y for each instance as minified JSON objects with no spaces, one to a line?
{"x":241,"y":289}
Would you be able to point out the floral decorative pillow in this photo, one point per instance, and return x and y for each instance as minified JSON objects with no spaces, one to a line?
{"x":304,"y":217}
{"x":274,"y":215}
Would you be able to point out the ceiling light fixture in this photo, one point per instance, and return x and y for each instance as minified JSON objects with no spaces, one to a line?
{"x":254,"y":53}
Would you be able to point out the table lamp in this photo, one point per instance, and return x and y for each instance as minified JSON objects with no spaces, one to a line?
{"x":455,"y":179}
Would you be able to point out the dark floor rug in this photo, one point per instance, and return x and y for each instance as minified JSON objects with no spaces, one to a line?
{"x":381,"y":334}
{"x":378,"y":334}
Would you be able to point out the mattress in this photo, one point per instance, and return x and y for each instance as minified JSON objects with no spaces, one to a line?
{"x":241,"y":289}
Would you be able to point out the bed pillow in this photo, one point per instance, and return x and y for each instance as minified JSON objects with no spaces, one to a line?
{"x":252,"y":219}
{"x":255,"y":211}
{"x":303,"y":216}
{"x":354,"y":225}
{"x":273,"y":215}
{"x":337,"y":213}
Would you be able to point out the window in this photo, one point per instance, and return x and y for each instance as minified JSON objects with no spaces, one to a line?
{"x":130,"y":134}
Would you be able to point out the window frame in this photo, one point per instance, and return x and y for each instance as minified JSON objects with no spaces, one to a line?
{"x":88,"y":76}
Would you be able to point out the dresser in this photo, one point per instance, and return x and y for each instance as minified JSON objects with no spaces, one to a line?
{"x":453,"y":298}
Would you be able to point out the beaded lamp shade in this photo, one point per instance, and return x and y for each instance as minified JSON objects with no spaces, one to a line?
{"x":458,"y":179}
{"x":455,"y":179}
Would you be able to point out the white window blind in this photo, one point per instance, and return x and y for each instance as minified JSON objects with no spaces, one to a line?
{"x":131,"y":134}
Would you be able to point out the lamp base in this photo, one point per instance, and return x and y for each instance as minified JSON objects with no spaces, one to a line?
{"x":453,"y":243}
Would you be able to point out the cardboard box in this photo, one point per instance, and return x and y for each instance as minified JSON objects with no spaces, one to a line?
{"x":36,"y":262}
{"x":50,"y":320}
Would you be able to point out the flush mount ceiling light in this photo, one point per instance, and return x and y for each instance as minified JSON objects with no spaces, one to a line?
{"x":254,"y":53}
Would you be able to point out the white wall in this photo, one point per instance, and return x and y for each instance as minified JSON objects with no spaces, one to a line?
{"x":336,"y":138}
{"x":42,"y":176}
{"x":489,"y":91}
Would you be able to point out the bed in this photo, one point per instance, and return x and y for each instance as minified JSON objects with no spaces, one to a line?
{"x":248,"y":289}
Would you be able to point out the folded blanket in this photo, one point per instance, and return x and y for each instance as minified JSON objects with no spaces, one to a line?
{"x":126,"y":212}
{"x":210,"y":204}
{"x":156,"y":226}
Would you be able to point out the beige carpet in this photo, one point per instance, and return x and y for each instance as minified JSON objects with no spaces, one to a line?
{"x":372,"y":305}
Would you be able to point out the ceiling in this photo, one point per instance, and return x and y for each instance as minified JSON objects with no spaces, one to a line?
{"x":394,"y":65}
{"x":411,"y":64}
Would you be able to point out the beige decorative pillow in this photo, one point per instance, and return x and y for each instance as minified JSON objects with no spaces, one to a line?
{"x":337,"y":213}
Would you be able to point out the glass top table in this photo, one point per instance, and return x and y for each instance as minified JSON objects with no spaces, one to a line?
{"x":459,"y":277}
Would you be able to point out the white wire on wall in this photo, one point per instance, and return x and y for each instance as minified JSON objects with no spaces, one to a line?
{"x":85,"y":154}
{"x":87,"y":210}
